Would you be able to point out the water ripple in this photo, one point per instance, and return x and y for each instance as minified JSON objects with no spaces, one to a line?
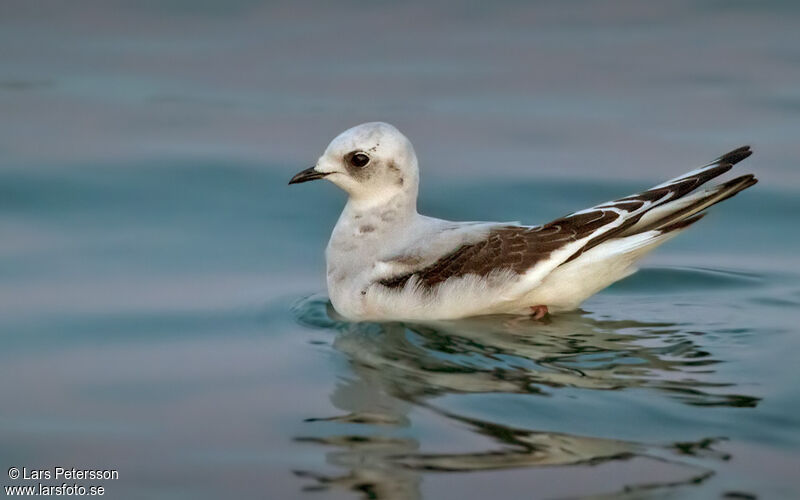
{"x":516,"y":355}
{"x":398,"y":366}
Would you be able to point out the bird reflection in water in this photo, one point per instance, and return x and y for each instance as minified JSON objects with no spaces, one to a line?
{"x":398,"y":367}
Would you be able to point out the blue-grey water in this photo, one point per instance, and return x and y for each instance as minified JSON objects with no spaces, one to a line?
{"x":162,"y":299}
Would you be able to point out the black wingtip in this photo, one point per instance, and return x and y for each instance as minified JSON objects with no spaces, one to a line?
{"x":735,"y":156}
{"x":682,"y":224}
{"x":737,"y":185}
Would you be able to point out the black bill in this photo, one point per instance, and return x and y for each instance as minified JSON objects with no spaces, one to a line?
{"x":306,"y":175}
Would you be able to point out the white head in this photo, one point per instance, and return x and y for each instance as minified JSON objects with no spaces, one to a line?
{"x":373,"y":162}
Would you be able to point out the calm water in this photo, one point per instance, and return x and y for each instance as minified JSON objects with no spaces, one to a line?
{"x":162,"y":301}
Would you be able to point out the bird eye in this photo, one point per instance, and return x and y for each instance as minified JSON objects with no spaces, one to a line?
{"x":358,"y":159}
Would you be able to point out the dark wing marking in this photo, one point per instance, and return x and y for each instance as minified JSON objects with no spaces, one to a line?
{"x":518,"y":249}
{"x":509,"y":248}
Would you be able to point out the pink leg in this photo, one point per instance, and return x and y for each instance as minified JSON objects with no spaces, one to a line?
{"x":538,"y":312}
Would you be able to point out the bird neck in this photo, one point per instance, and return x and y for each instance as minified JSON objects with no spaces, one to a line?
{"x":388,"y":206}
{"x":386,"y":211}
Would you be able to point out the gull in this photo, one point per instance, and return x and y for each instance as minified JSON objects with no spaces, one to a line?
{"x":386,"y":262}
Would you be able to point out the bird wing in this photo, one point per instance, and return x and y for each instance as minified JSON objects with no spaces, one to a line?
{"x":536,"y":251}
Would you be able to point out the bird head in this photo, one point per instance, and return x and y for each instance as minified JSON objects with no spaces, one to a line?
{"x":372,"y":162}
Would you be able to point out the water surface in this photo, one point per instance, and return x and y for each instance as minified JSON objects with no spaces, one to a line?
{"x":162,"y":300}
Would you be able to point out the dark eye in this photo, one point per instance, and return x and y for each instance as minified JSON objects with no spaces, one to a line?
{"x":358,"y":159}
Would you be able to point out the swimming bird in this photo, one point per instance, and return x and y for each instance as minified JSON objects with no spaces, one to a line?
{"x":385,"y":261}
